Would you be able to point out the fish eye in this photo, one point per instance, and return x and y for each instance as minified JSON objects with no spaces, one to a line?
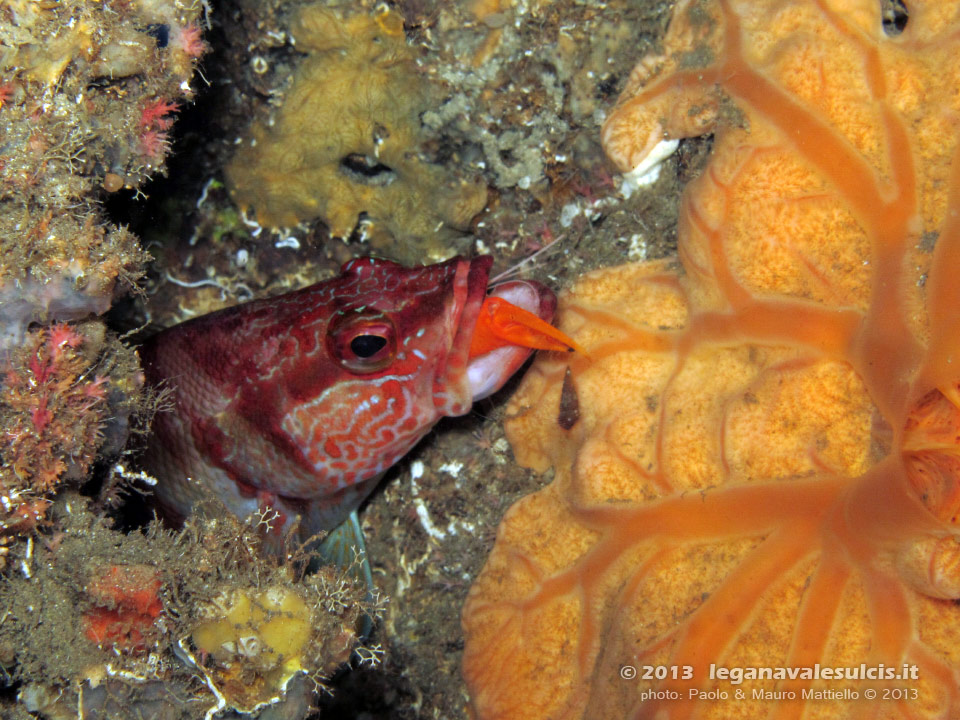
{"x":362,"y":343}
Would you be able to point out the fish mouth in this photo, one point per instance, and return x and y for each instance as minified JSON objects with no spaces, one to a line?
{"x":487,"y":373}
{"x":482,"y":375}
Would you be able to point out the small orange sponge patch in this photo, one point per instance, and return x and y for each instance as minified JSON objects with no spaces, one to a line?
{"x":761,"y":478}
{"x":126,"y":606}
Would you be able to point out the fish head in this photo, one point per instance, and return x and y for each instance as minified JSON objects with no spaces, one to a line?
{"x":419,"y":324}
{"x":305,"y":395}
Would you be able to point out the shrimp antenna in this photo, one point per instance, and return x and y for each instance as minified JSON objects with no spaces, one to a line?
{"x":515,"y":269}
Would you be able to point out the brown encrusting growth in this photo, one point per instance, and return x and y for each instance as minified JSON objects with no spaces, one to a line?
{"x":362,"y":171}
{"x":764,"y":470}
{"x":88,"y":93}
{"x":187,"y":624}
{"x":87,"y":97}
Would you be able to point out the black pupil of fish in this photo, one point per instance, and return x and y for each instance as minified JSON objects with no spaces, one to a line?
{"x":365,"y":346}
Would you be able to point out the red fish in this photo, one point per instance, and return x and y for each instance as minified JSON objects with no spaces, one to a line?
{"x":300,"y":402}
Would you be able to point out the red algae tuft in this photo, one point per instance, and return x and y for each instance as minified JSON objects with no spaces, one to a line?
{"x":54,"y":406}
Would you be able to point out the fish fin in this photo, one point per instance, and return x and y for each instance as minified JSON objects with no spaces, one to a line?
{"x":344,"y":548}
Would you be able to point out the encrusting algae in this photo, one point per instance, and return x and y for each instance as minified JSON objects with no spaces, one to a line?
{"x":87,"y":91}
{"x":762,"y":469}
{"x":344,"y":146}
{"x":190,"y":624}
